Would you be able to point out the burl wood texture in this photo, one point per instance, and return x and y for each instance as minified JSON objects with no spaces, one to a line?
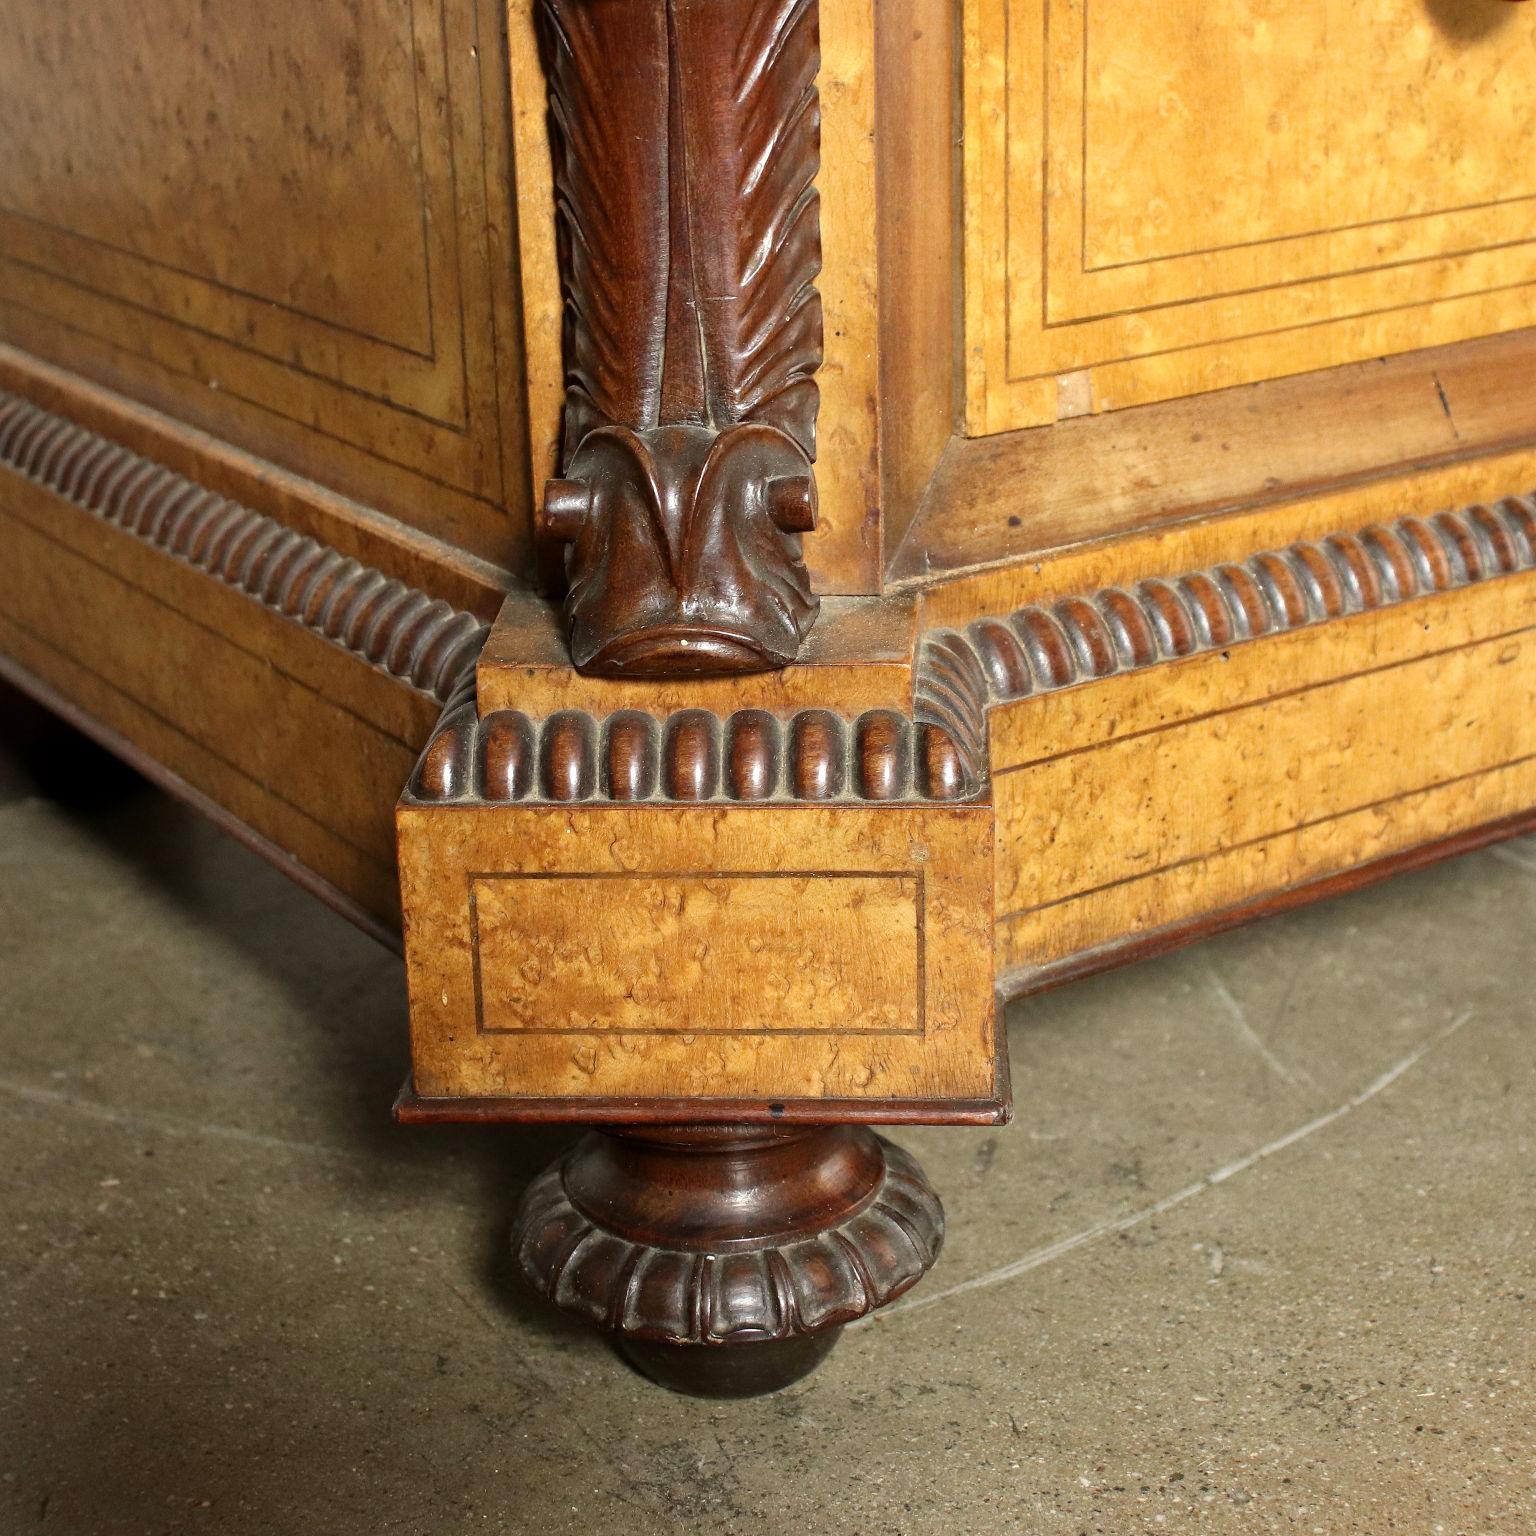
{"x":685,"y":142}
{"x":679,"y":929}
{"x":777,"y":952}
{"x":1336,"y":704}
{"x":1164,"y":200}
{"x":269,"y":676}
{"x":288,"y":224}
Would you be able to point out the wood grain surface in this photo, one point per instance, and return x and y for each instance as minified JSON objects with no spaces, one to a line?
{"x":320,"y":275}
{"x":1339,"y":773}
{"x":274,"y":678}
{"x":1332,"y":444}
{"x":1256,"y":731}
{"x":917,"y":134}
{"x":764,"y":952}
{"x":1163,"y":201}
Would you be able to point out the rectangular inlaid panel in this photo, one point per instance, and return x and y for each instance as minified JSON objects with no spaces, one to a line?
{"x":766,"y":952}
{"x":639,"y":954}
{"x":1181,"y":791}
{"x":1168,"y":199}
{"x":286,"y":223}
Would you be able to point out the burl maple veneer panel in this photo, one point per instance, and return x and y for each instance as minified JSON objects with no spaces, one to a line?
{"x":699,"y":911}
{"x":1167,"y":199}
{"x":763,"y":952}
{"x":289,"y":224}
{"x":1306,"y":715}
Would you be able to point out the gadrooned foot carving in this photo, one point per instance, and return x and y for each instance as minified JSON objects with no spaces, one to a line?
{"x":719,"y":1240}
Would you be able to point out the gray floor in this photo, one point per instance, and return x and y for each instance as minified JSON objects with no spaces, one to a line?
{"x":1257,"y":1255}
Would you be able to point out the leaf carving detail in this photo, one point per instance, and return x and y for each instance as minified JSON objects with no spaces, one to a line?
{"x":606,"y":62}
{"x":752,"y":152}
{"x":686,"y":138}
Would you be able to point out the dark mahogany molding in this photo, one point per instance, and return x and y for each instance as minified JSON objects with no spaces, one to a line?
{"x":686,"y":138}
{"x":939,"y":752}
{"x":421,"y":639}
{"x":766,"y":1239}
{"x":1082,"y":639}
{"x":693,"y":755}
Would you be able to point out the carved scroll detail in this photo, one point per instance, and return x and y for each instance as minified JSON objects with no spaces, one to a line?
{"x":686,"y":138}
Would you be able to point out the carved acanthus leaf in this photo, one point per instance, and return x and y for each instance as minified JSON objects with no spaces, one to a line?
{"x":752,"y":152}
{"x":686,"y":135}
{"x":610,"y":172}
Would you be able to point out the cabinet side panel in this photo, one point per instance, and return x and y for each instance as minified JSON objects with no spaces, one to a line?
{"x":288,"y":225}
{"x":1145,"y":809}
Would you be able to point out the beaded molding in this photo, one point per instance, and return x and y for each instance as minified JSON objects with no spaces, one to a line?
{"x":940,"y":752}
{"x":690,"y":756}
{"x":422,"y":640}
{"x":1086,"y":639}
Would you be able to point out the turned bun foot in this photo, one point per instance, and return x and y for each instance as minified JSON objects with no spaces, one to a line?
{"x":725,"y":1261}
{"x":730,"y":1370}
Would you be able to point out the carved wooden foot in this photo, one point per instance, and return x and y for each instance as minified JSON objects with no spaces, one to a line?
{"x":726,"y":1260}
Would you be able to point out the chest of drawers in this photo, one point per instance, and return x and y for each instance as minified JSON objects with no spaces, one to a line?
{"x":740,"y":533}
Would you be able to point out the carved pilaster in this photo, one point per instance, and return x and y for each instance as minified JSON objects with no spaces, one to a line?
{"x":685,"y":136}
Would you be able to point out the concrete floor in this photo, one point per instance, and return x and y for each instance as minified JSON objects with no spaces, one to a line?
{"x":1257,"y":1256}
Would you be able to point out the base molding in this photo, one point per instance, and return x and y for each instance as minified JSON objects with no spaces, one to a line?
{"x":412,"y":1108}
{"x":276,"y":682}
{"x":355,"y":529}
{"x":424,"y":641}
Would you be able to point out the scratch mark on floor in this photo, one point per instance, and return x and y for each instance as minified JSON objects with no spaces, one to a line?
{"x":169,"y":1125}
{"x":1053,"y":1251}
{"x":1239,"y":1016}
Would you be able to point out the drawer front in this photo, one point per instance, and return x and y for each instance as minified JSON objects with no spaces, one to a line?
{"x":1168,"y":199}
